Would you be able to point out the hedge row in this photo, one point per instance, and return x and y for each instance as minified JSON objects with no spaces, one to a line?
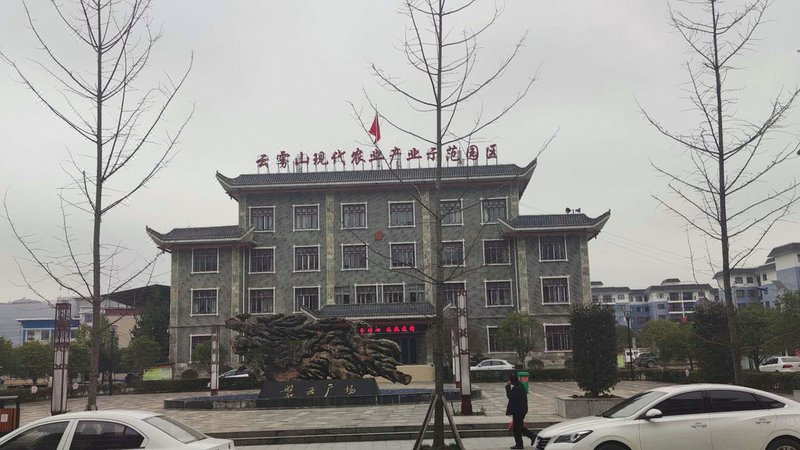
{"x":555,"y":374}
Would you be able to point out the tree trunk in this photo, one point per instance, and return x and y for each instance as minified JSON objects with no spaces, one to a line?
{"x":730,"y":307}
{"x":91,"y":399}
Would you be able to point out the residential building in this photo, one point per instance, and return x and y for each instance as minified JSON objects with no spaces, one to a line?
{"x":24,"y":308}
{"x":357,"y":244}
{"x":43,"y":330}
{"x":763,"y":284}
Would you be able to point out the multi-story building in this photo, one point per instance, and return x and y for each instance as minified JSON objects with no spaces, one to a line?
{"x":670,"y":300}
{"x":358,"y":245}
{"x":763,"y":284}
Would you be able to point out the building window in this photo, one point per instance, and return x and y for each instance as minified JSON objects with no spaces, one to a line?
{"x":306,"y":297}
{"x":262,"y":260}
{"x":764,"y":276}
{"x":204,"y":302}
{"x":621,"y":296}
{"x":195,"y":341}
{"x":306,"y":259}
{"x":493,"y":342}
{"x":262,"y":301}
{"x":451,"y":290}
{"x":403,"y":254}
{"x":737,"y":280}
{"x":205,"y":260}
{"x":366,"y":295}
{"x":401,"y":214}
{"x":45,"y":335}
{"x":493,"y":209}
{"x":740,"y":293}
{"x":451,"y":211}
{"x":674,"y":296}
{"x":749,"y":280}
{"x":608,"y":298}
{"x":553,"y":248}
{"x":263,"y":218}
{"x":453,"y":253}
{"x":306,"y":217}
{"x":393,"y":293}
{"x":495,"y":251}
{"x":341,"y":295}
{"x":688,"y":295}
{"x":661,"y":307}
{"x":498,"y":293}
{"x":354,"y":257}
{"x":557,"y":338}
{"x":416,"y":293}
{"x":354,"y":216}
{"x":555,"y":290}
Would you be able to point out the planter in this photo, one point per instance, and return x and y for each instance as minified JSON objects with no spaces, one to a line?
{"x":573,"y":407}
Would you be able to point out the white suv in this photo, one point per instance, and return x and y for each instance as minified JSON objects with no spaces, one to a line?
{"x":781,"y":364}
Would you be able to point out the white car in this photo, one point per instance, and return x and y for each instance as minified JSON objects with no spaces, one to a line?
{"x":688,"y":417}
{"x":781,"y":364}
{"x":108,"y":430}
{"x":493,"y":364}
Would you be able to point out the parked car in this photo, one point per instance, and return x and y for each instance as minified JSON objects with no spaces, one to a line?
{"x":233,"y":373}
{"x":648,"y":360}
{"x":110,"y":429}
{"x":493,"y":364}
{"x":693,"y":416}
{"x":781,"y":364}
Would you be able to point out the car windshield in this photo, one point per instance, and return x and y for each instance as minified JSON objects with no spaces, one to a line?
{"x":177,"y":430}
{"x":790,"y":359}
{"x":632,"y":405}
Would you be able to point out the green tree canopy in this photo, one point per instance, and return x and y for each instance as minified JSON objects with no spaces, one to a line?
{"x":787,"y":323}
{"x":757,"y":327}
{"x":8,"y":359}
{"x":141,"y":353}
{"x":519,"y":332}
{"x":669,"y":339}
{"x":153,"y":322}
{"x":594,"y":351}
{"x":34,"y":360}
{"x":712,"y":343}
{"x":201,"y":355}
{"x":622,"y":338}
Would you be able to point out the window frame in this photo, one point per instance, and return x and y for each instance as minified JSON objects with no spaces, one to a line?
{"x":294,"y":296}
{"x":216,"y":302}
{"x":460,"y":211}
{"x":249,"y":299}
{"x":508,"y":251}
{"x":489,"y":341}
{"x":464,"y":282}
{"x":382,"y":298}
{"x":250,"y":260}
{"x":391,"y":255}
{"x":463,"y":253}
{"x":209,"y":271}
{"x":294,"y":259}
{"x":510,"y":292}
{"x":294,"y":217}
{"x":544,"y":328}
{"x":250,"y":217}
{"x":191,"y":343}
{"x":493,"y":198}
{"x":366,"y":257}
{"x":566,"y":254}
{"x":366,"y":215}
{"x":550,"y":277}
{"x":143,"y":444}
{"x":349,"y":295}
{"x":366,"y":285}
{"x":413,"y":213}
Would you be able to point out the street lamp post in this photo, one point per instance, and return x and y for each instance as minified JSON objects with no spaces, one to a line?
{"x":630,"y":341}
{"x":111,"y":362}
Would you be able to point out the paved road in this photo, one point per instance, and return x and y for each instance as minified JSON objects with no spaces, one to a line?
{"x":471,"y":444}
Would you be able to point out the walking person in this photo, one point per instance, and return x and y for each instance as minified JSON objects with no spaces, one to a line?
{"x":517,"y":409}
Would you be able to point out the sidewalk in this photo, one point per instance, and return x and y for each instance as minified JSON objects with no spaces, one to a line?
{"x":493,"y":404}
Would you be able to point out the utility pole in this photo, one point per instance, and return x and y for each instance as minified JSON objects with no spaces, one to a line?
{"x":630,"y":341}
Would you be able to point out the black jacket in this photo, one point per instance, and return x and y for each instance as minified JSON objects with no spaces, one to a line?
{"x":517,"y":400}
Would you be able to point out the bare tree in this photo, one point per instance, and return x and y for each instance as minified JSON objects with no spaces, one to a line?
{"x":119,"y":121}
{"x":444,"y":58}
{"x":730,"y":193}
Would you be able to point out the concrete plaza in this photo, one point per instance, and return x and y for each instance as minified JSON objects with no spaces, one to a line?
{"x":492,"y":405}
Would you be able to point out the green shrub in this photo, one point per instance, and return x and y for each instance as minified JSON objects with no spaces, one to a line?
{"x":490,"y":376}
{"x":555,"y":374}
{"x":158,"y":386}
{"x":594,"y":348}
{"x":712,"y":342}
{"x":535,"y":364}
{"x":772,"y":381}
{"x":189,"y":374}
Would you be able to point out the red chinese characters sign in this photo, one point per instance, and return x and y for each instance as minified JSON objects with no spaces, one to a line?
{"x":398,"y":328}
{"x":375,"y":158}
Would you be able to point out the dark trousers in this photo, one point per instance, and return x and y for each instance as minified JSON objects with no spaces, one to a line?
{"x":519,"y":429}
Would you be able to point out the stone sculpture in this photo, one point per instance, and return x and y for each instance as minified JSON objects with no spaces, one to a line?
{"x":287,"y":347}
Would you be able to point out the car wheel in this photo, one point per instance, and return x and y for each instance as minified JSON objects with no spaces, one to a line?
{"x":614,"y":446}
{"x":784,"y":444}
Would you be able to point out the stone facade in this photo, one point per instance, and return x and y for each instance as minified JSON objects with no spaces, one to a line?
{"x":523,"y":271}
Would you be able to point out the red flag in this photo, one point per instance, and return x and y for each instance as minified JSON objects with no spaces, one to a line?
{"x":375,"y":129}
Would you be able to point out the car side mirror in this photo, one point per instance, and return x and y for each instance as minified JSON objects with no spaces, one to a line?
{"x":653,"y":414}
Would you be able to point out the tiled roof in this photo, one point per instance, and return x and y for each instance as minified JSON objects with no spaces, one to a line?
{"x":783,"y":249}
{"x":422,"y":309}
{"x":227,"y":233}
{"x":544,"y":222}
{"x":374,"y":176}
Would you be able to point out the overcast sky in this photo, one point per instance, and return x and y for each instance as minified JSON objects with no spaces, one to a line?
{"x":271,"y":76}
